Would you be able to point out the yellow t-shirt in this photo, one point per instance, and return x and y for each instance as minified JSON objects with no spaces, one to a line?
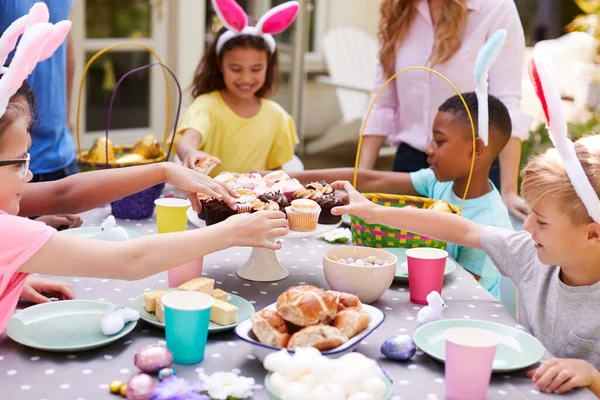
{"x":265,"y":141}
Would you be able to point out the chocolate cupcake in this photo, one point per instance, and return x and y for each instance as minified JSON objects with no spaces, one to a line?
{"x":277,"y":197}
{"x":216,"y":211}
{"x":202,"y":198}
{"x":327,"y":203}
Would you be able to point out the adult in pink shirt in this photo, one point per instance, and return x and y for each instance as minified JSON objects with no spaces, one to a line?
{"x":444,"y":35}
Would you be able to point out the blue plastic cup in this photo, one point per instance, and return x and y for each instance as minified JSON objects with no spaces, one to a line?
{"x":187,"y":316}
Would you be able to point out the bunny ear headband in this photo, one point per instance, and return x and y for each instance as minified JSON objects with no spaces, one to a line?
{"x":487,"y":55}
{"x":540,"y":72}
{"x":39,"y":40}
{"x":275,"y":21}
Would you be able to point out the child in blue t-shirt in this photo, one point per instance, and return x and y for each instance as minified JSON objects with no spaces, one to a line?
{"x":449,"y":155}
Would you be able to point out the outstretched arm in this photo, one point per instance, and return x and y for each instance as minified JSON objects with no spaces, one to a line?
{"x":148,"y":255}
{"x":81,"y":192}
{"x":435,"y":224}
{"x":368,"y":180}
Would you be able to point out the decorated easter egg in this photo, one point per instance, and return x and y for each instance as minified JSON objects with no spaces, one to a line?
{"x":99,"y":149}
{"x":140,"y":387}
{"x":165,"y":373}
{"x":399,"y":347}
{"x":153,"y":358}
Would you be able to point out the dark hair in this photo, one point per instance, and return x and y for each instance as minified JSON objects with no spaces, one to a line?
{"x":499,"y":119}
{"x":208,"y":76}
{"x":14,"y":112}
{"x":25,"y":91}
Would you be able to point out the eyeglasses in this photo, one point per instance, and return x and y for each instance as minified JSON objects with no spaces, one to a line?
{"x":24,"y":162}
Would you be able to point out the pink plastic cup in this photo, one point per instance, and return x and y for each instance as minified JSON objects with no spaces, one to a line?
{"x":425,"y":272}
{"x":469,"y":360}
{"x":185,"y":272}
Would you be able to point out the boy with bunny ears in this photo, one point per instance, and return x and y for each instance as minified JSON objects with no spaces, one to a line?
{"x":554,"y":263}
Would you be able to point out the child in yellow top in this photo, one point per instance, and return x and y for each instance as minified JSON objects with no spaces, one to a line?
{"x":231,"y":117}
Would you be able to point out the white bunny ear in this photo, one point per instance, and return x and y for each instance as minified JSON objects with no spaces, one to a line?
{"x":279,"y":18}
{"x":231,"y":14}
{"x":540,"y":72}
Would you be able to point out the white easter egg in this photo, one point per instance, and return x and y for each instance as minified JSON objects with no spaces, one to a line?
{"x":323,"y":368}
{"x":309,"y":380}
{"x":361,"y":396}
{"x":375,"y":386}
{"x":276,"y":362}
{"x":297,"y":391}
{"x":279,"y":382}
{"x":328,"y":391}
{"x":307,"y":353}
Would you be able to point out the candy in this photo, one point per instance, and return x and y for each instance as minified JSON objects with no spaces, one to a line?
{"x":115,"y":386}
{"x":140,"y":387}
{"x":350,"y":260}
{"x":399,"y":347}
{"x":370,"y":261}
{"x":123,"y":390}
{"x":341,"y":261}
{"x":165,"y":373}
{"x":153,"y":358}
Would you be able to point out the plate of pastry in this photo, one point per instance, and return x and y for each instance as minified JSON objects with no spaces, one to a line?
{"x":307,"y":316}
{"x":227,"y":311}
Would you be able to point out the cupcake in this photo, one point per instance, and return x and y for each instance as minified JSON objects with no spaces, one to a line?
{"x":244,"y":202}
{"x":202,"y":198}
{"x":276,"y":176}
{"x":321,"y":186}
{"x":216,"y":211}
{"x":288,"y":187}
{"x":308,"y":193}
{"x":277,"y":197}
{"x":327,"y":203}
{"x":303,"y":215}
{"x":259,"y":205}
{"x":250,"y":180}
{"x":227,"y":179}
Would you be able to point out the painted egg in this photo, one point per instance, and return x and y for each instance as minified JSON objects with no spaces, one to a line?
{"x":153,"y":358}
{"x":165,"y":373}
{"x":140,"y":387}
{"x":399,"y":347}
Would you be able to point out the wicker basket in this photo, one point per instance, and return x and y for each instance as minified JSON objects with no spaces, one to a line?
{"x":379,"y":236}
{"x":139,"y":205}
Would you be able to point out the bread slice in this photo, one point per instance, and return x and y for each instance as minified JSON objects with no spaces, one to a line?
{"x":150,"y":299}
{"x":203,"y":285}
{"x":220,"y":295}
{"x":160,"y":310}
{"x":223,"y":313}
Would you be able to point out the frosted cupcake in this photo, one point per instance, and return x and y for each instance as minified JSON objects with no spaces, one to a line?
{"x":303,"y":215}
{"x":276,"y":176}
{"x":260,"y":205}
{"x":288,"y":187}
{"x":244,"y":202}
{"x":250,"y":180}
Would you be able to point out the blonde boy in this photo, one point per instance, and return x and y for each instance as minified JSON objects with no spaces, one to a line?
{"x":555,"y":263}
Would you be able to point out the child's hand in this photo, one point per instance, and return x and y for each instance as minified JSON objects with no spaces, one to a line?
{"x":559,"y":375}
{"x":191,"y":182}
{"x":61,"y":222}
{"x":356,"y":203}
{"x":40,"y":290}
{"x":192,"y":158}
{"x":255,"y":230}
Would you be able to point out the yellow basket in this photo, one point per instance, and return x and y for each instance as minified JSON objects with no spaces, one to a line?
{"x":372,"y":235}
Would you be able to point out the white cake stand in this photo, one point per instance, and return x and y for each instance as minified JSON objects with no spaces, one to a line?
{"x":263,"y":265}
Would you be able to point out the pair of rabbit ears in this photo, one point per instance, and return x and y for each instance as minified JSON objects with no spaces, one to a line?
{"x":39,"y":40}
{"x":487,"y":55}
{"x":234,"y":18}
{"x":540,"y":72}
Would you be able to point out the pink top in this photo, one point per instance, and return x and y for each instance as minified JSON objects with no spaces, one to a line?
{"x":405,"y":110}
{"x":20,"y":238}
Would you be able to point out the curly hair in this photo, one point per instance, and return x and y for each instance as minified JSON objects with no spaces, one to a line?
{"x":395,"y":22}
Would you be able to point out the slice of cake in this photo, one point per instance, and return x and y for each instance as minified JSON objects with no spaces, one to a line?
{"x":220,"y":295}
{"x":223,"y":313}
{"x":160,"y":310}
{"x":150,"y":299}
{"x":203,"y":285}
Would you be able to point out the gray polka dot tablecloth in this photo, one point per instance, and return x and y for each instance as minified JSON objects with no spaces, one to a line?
{"x":31,"y":374}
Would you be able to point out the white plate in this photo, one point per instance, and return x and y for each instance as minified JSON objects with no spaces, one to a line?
{"x":321,"y":228}
{"x":244,"y":332}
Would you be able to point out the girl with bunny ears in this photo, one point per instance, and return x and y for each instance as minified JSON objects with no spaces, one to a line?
{"x":28,"y":246}
{"x":231,"y":117}
{"x":554,"y":263}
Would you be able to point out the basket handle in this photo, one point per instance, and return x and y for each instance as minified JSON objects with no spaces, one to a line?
{"x":114,"y":94}
{"x":364,"y":125}
{"x":84,"y":75}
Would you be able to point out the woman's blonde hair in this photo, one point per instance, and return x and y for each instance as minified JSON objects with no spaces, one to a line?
{"x":545,"y":176}
{"x":395,"y":22}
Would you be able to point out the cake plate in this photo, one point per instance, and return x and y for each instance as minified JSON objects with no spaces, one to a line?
{"x":263,"y":265}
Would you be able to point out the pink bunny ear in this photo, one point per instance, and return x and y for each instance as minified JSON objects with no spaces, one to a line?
{"x":27,"y":54}
{"x":231,"y":14}
{"x":38,"y":14}
{"x":9,"y":38}
{"x":279,"y":18}
{"x":59,"y":34}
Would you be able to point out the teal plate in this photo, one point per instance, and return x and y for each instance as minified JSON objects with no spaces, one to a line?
{"x":277,"y":396}
{"x":402,"y":269}
{"x":94,"y":232}
{"x":516,"y":349}
{"x":245,"y":310}
{"x":61,"y":326}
